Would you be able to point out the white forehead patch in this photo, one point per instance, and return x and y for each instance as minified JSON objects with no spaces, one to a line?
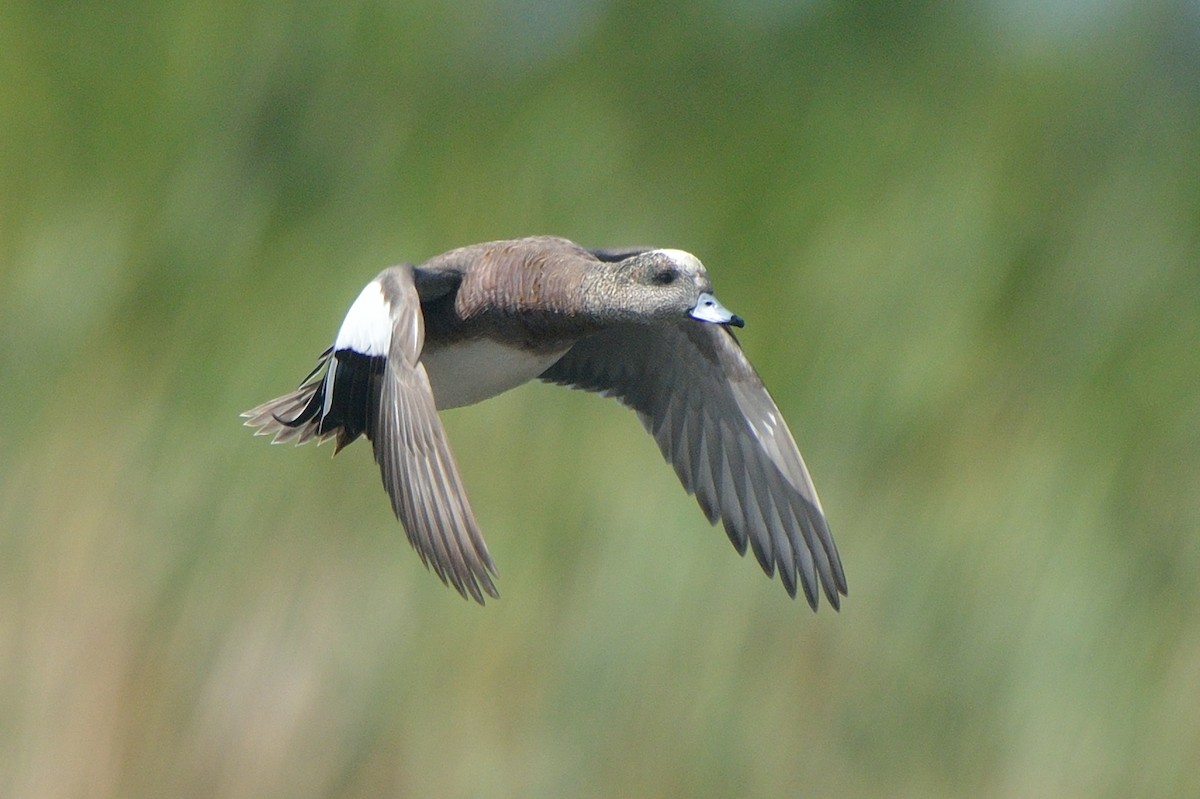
{"x":367,"y":328}
{"x":684,"y":260}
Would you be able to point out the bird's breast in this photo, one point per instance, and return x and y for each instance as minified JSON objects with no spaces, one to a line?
{"x":471,"y":371}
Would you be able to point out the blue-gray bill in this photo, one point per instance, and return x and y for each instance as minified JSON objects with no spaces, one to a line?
{"x":709,"y":309}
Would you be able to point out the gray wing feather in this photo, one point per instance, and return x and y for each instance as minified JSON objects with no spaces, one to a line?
{"x":414,"y":457}
{"x":612,"y":254}
{"x":697,"y":394}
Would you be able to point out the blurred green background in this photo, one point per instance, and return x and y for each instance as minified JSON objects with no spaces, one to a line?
{"x":966,"y":238}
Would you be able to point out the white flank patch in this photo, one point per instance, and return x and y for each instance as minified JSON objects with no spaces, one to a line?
{"x":684,"y":260}
{"x":367,"y":328}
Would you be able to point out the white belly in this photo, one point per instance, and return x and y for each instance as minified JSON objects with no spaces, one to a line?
{"x":466,"y":373}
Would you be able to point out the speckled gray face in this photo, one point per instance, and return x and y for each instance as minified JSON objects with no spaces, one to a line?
{"x":707,"y":309}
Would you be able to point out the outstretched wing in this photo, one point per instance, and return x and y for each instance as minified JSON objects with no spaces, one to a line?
{"x":615,"y":254}
{"x":418,"y":468}
{"x":372,"y":381}
{"x":697,"y":394}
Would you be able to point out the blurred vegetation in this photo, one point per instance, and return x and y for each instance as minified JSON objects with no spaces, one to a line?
{"x":967,"y":241}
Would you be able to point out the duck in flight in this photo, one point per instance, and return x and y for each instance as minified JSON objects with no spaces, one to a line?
{"x":637,"y":324}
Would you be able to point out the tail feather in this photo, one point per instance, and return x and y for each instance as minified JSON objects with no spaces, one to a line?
{"x":338,"y":399}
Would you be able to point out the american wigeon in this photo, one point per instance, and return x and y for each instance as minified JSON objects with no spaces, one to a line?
{"x":637,"y":324}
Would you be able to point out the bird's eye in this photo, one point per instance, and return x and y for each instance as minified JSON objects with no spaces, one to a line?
{"x":665,"y":277}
